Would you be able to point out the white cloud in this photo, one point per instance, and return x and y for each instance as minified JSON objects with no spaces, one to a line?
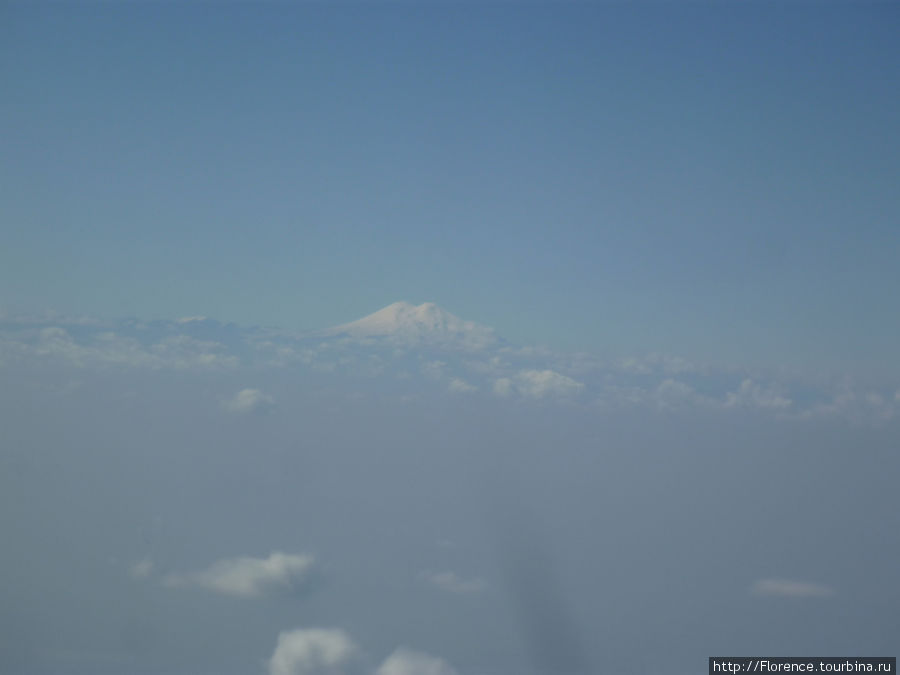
{"x":540,"y":383}
{"x":451,"y":583}
{"x":280,"y":573}
{"x":858,"y":407}
{"x":752,"y":395}
{"x":407,"y":662}
{"x":141,"y":569}
{"x":786,"y":588}
{"x":313,"y":651}
{"x":672,"y":394}
{"x":250,"y":400}
{"x":111,"y":349}
{"x":460,"y":386}
{"x":330,"y":651}
{"x":537,"y":384}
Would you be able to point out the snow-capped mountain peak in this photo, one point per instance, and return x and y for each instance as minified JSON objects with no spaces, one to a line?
{"x":405,"y":323}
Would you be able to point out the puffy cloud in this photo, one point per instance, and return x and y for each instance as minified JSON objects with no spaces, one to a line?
{"x":280,"y":573}
{"x":249,"y":401}
{"x":407,"y":662}
{"x":752,"y":394}
{"x":330,"y":651}
{"x":460,"y":386}
{"x":537,"y":384}
{"x":785,"y":588}
{"x":313,"y":651}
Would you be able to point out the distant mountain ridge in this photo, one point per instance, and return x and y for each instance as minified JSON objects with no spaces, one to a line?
{"x":426,"y":324}
{"x":402,"y":342}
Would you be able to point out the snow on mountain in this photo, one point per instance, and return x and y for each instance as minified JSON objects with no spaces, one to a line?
{"x":403,"y":343}
{"x":425,"y":324}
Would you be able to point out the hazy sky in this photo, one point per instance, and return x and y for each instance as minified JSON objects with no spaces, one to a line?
{"x":660,"y":423}
{"x":716,"y":181}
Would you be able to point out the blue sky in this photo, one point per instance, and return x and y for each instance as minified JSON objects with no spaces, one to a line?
{"x":718,"y":182}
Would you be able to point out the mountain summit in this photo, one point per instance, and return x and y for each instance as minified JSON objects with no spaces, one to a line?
{"x":426,"y":324}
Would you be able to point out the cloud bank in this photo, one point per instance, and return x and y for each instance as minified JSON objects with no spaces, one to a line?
{"x":656,"y":381}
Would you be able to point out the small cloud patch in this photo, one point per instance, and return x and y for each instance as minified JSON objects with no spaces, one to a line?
{"x":753,"y":395}
{"x":279,"y":574}
{"x":250,"y":401}
{"x":538,"y":384}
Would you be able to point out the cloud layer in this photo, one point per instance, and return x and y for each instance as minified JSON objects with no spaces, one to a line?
{"x":655,"y":381}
